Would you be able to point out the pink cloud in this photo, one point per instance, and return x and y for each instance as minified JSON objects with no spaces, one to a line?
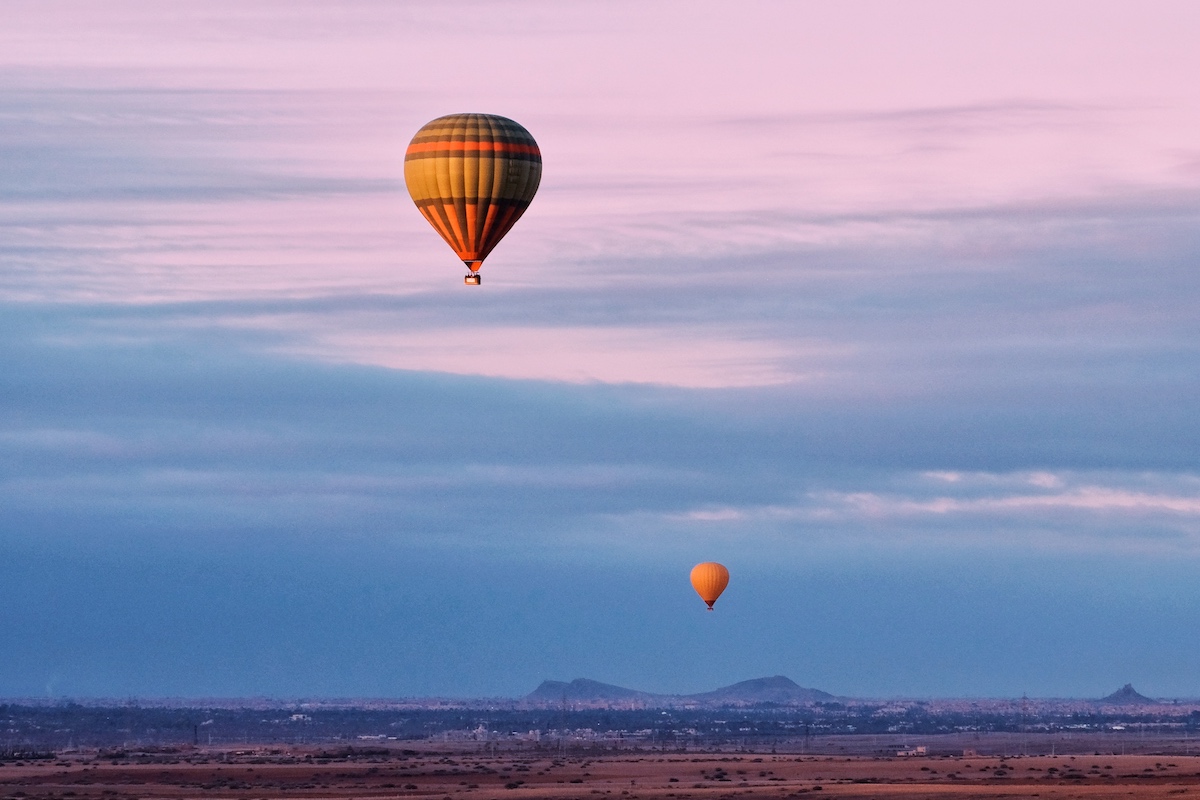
{"x":695,"y":358}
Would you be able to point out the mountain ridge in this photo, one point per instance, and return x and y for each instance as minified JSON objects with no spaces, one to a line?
{"x":775,"y":690}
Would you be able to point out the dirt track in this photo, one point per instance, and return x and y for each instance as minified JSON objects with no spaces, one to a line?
{"x":628,"y":776}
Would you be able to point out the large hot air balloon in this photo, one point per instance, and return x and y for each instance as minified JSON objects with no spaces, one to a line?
{"x":709,"y":580}
{"x":472,"y":176}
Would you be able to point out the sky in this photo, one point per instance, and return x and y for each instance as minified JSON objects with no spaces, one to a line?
{"x":889,"y":307}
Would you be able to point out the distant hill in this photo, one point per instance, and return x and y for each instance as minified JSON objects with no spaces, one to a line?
{"x":776,"y":690}
{"x":586,"y":691}
{"x":1127,"y":696}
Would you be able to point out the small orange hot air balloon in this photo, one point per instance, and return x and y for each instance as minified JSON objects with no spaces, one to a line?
{"x":472,"y":176}
{"x":709,"y":580}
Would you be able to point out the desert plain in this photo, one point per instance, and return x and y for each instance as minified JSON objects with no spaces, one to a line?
{"x":441,"y":775}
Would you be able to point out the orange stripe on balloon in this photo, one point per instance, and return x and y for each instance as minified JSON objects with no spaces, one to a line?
{"x":439,"y":225}
{"x":494,"y":147}
{"x":472,"y":224}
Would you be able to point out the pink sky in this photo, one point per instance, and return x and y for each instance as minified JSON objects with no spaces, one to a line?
{"x":671,"y":131}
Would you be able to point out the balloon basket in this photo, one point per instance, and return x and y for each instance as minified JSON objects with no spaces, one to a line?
{"x":471,"y":280}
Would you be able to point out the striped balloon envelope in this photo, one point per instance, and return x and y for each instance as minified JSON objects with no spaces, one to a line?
{"x":472,"y":176}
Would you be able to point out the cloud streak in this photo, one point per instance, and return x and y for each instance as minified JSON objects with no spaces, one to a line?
{"x":1147,"y":513}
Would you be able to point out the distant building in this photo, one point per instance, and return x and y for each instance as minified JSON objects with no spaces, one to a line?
{"x":913,"y":751}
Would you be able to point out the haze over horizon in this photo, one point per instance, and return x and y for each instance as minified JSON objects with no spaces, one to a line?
{"x":891,"y":310}
{"x":586,"y":693}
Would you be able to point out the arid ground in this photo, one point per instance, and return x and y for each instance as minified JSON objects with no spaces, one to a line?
{"x":312,"y":773}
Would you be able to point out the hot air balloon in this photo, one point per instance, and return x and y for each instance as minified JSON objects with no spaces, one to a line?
{"x":472,"y":176}
{"x":709,"y":580}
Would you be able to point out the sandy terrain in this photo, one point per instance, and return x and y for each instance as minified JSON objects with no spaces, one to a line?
{"x":299,"y":773}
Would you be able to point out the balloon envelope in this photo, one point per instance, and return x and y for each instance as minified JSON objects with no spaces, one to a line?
{"x":472,"y":176}
{"x":709,"y":580}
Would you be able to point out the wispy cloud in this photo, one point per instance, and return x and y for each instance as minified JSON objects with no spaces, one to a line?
{"x":1096,"y":499}
{"x":1047,"y":511}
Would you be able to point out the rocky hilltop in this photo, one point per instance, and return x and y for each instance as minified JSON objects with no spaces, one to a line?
{"x":776,"y":690}
{"x":1127,"y":696}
